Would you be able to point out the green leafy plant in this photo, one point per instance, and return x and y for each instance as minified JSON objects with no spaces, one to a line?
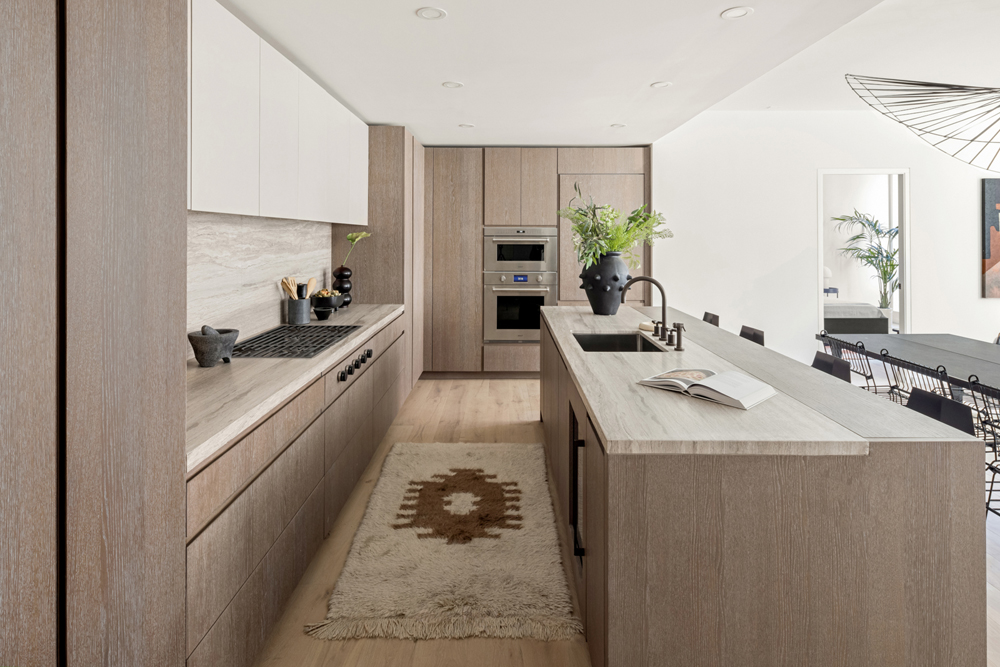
{"x":872,"y":246}
{"x":354,"y":237}
{"x":598,"y":230}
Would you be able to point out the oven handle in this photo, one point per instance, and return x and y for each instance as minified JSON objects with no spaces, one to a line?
{"x":520,"y":289}
{"x":525,"y":241}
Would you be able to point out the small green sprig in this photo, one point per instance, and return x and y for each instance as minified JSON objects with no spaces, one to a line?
{"x":598,"y":230}
{"x":354,"y":237}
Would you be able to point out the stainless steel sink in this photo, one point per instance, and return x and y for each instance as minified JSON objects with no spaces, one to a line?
{"x":615,"y":342}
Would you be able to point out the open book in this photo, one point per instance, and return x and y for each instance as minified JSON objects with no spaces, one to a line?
{"x":729,"y":388}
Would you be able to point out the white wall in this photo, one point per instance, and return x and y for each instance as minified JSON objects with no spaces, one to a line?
{"x":739,"y":190}
{"x":842,"y":195}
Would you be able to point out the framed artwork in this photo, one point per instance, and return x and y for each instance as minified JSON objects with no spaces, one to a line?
{"x":991,"y":238}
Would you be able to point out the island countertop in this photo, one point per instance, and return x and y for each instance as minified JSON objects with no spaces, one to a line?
{"x":226,"y":401}
{"x":813,"y":414}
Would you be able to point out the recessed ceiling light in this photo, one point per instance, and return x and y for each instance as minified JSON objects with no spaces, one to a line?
{"x":617,"y":126}
{"x":452,"y":84}
{"x":737,"y":13}
{"x":661,"y":84}
{"x":466,"y":125}
{"x":431,"y":13}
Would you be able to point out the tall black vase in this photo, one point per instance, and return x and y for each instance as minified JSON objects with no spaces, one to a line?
{"x":603,"y":282}
{"x":343,"y":284}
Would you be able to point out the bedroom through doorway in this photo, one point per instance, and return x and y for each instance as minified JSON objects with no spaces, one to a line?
{"x":863,"y":258}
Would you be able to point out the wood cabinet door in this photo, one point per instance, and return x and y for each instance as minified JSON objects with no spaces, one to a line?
{"x":458,"y":259}
{"x":595,"y":561}
{"x":225,"y":112}
{"x":625,"y":192}
{"x":502,"y":187}
{"x":539,"y":187}
{"x":279,"y":134}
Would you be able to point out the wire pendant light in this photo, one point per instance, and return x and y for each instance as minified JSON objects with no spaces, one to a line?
{"x":962,"y":121}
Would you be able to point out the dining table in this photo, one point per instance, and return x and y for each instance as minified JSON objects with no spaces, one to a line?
{"x":961,"y":357}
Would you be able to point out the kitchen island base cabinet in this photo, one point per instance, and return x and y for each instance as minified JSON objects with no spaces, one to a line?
{"x":743,"y":559}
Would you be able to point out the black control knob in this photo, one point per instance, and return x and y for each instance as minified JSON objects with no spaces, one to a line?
{"x":363,"y":359}
{"x":368,"y":353}
{"x":342,"y":377}
{"x":356,"y":364}
{"x":350,"y":370}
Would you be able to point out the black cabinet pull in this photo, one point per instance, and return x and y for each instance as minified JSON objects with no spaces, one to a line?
{"x":579,"y":551}
{"x":579,"y":443}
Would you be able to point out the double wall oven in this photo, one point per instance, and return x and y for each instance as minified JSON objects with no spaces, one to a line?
{"x":520,"y":276}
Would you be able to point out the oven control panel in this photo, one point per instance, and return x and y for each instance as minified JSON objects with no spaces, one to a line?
{"x":523,"y":278}
{"x":520,"y":279}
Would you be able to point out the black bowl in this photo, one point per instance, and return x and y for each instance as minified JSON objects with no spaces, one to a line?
{"x":328,"y":301}
{"x":323,"y":313}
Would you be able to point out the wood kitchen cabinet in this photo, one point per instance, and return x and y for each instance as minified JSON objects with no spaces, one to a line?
{"x":225,"y":112}
{"x":520,"y":187}
{"x":457,"y":257}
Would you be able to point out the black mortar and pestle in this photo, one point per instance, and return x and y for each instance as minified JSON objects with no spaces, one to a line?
{"x":210,"y":345}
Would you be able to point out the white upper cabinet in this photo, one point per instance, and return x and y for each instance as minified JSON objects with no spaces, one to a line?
{"x":225,"y":112}
{"x":339,"y":189}
{"x":359,"y":172}
{"x":315,"y":111}
{"x":265,"y":139}
{"x":279,"y":134}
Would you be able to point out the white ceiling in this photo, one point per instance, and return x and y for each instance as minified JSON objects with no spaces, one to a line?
{"x":942,"y":41}
{"x":539,"y":73}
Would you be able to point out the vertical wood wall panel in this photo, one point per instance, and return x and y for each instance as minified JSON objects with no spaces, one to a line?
{"x":458,"y":259}
{"x":126,"y":226}
{"x":428,"y":259}
{"x":28,"y":354}
{"x":417,"y":331}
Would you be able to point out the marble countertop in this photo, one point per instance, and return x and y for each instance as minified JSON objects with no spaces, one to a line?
{"x":227,"y":401}
{"x":813,"y":414}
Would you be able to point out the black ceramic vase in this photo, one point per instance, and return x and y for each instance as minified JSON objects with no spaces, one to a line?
{"x":603,"y":283}
{"x":343,"y":284}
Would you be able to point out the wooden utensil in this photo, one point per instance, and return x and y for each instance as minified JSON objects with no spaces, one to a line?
{"x":310,"y":286}
{"x":289,"y":290}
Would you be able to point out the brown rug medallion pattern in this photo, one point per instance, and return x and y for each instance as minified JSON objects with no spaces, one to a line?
{"x":458,"y":540}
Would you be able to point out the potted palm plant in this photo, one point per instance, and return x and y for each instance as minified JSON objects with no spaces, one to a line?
{"x":872,"y":245}
{"x":605,"y":242}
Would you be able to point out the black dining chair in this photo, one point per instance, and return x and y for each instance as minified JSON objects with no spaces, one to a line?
{"x":711,"y":318}
{"x":756,"y":335}
{"x":857,"y":356}
{"x":907,"y":376}
{"x":838,"y":368}
{"x":987,"y":401}
{"x":954,"y":414}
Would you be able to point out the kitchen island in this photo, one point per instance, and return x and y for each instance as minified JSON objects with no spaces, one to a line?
{"x":826,"y":526}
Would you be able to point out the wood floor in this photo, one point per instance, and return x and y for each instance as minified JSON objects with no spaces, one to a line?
{"x":480,"y":410}
{"x":468,"y":411}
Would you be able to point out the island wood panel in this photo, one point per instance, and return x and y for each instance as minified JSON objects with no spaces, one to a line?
{"x":549,"y":362}
{"x":458,"y":259}
{"x":126,"y":109}
{"x":428,"y":260}
{"x":595,"y":556}
{"x":625,"y":193}
{"x":539,"y":187}
{"x":522,"y":357}
{"x":626,"y":619}
{"x":29,"y":353}
{"x":602,"y":160}
{"x":407,"y":258}
{"x":862,"y":412}
{"x":419,"y":263}
{"x":563,"y":442}
{"x":502,"y":187}
{"x":720,"y":580}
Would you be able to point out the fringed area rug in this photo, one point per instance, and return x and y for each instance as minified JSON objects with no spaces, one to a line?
{"x":459,"y":540}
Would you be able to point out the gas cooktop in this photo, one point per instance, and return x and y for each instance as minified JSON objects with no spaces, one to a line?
{"x":293,"y":341}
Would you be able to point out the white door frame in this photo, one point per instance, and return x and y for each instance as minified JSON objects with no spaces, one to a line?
{"x":904,"y":239}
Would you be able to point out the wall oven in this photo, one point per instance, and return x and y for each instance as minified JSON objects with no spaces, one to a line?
{"x":520,"y":249}
{"x":511,"y":303}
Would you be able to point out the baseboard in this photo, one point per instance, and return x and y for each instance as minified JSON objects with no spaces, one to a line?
{"x":479,"y":375}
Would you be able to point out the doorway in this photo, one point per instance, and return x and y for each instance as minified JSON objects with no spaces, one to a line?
{"x":850,"y":299}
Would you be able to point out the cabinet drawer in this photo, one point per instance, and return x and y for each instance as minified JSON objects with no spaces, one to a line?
{"x":387,"y":408}
{"x":377,"y":344}
{"x":509,"y":358}
{"x":213,"y":487}
{"x":239,"y":634}
{"x":343,"y":419}
{"x":343,"y":475}
{"x":388,"y":367}
{"x":221,"y":558}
